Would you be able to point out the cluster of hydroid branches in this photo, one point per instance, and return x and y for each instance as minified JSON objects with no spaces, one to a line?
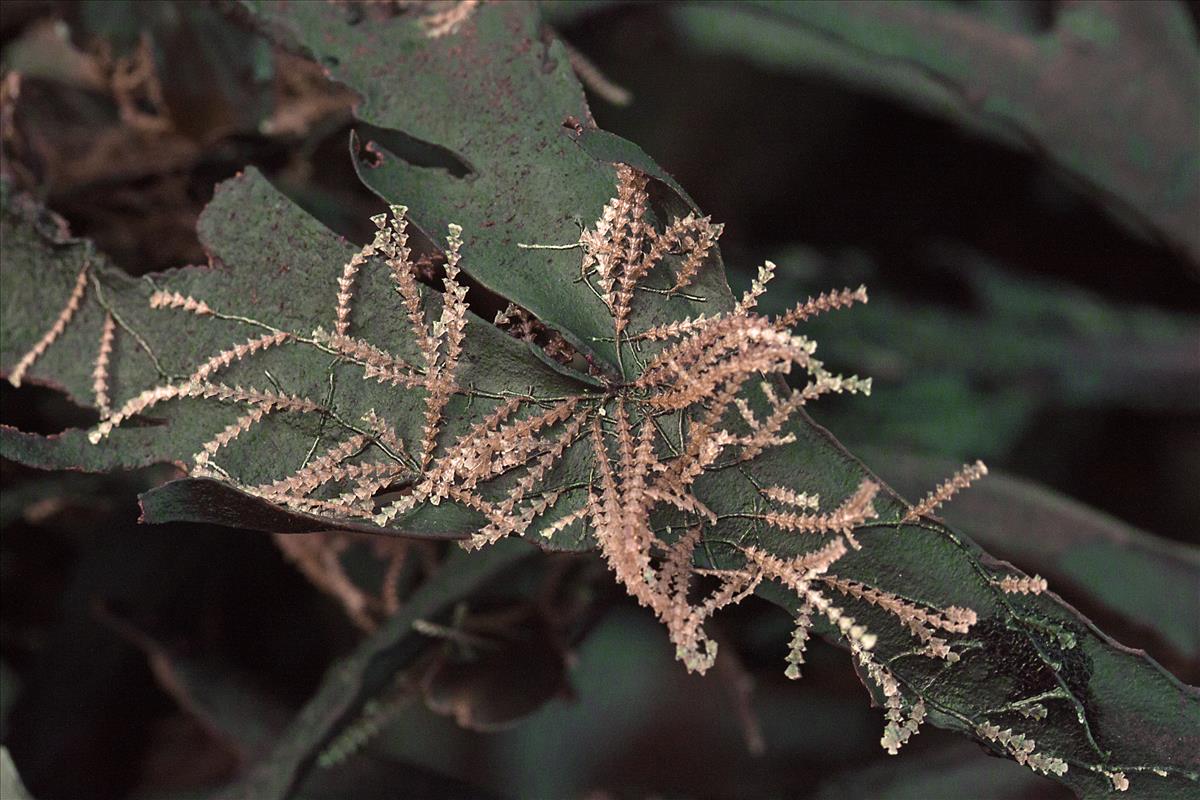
{"x":705,"y":397}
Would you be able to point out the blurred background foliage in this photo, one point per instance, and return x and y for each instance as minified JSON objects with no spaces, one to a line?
{"x":1017,"y":183}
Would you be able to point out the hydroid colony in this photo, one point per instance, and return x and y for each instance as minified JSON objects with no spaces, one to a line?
{"x":714,"y":378}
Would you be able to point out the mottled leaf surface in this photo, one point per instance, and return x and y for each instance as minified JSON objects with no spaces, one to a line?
{"x":272,"y":266}
{"x":516,"y":118}
{"x":1149,"y":581}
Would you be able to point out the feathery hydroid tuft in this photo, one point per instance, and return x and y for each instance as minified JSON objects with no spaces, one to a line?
{"x":692,"y":398}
